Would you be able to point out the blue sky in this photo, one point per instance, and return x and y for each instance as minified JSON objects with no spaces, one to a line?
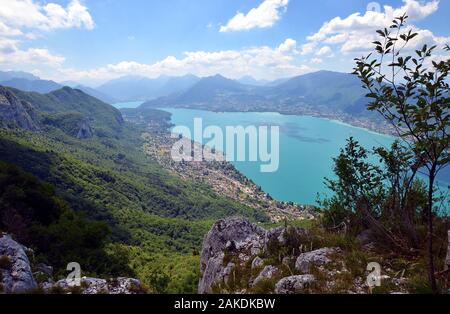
{"x":95,"y":40}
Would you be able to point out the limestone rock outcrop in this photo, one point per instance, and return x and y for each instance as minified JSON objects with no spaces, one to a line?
{"x":267,"y":273}
{"x":237,"y":257}
{"x":85,"y":130}
{"x":16,"y":276}
{"x":90,"y":285}
{"x":233,"y":234}
{"x":15,"y":271}
{"x":293,"y":284}
{"x":15,"y":113}
{"x":318,"y":257}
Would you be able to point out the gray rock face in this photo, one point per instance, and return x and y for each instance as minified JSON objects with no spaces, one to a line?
{"x":232,"y":234}
{"x":240,"y":242}
{"x":268,"y":272}
{"x":280,"y":234}
{"x":318,"y":257}
{"x":274,"y":234}
{"x":293,"y":284}
{"x":45,"y":269}
{"x":257,"y":262}
{"x":15,"y":113}
{"x":228,"y":271}
{"x":17,"y":276}
{"x":85,"y":131}
{"x":98,"y":286}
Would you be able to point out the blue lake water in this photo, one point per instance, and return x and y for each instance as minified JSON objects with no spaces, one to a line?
{"x":307,"y":147}
{"x":131,"y":104}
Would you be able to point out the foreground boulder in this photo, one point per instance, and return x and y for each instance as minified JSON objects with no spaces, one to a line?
{"x":233,"y":234}
{"x":16,"y":276}
{"x":267,"y":273}
{"x":15,"y":270}
{"x":319,"y":257}
{"x":89,"y":285}
{"x":241,"y":257}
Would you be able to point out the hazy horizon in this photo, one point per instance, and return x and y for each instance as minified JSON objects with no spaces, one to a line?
{"x":89,"y":42}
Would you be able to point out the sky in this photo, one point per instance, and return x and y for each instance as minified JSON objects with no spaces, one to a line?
{"x":92,"y":41}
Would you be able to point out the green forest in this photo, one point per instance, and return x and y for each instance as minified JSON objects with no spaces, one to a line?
{"x":110,"y":207}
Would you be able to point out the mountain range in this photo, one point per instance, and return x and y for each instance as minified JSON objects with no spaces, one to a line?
{"x":35,"y":85}
{"x":323,"y":91}
{"x":135,"y":88}
{"x":250,"y":80}
{"x":30,"y":83}
{"x":9,"y":75}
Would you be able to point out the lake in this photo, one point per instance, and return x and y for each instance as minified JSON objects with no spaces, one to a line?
{"x":307,"y":148}
{"x":130,"y":104}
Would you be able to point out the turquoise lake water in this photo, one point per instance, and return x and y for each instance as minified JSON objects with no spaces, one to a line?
{"x":131,"y":104}
{"x":307,"y":146}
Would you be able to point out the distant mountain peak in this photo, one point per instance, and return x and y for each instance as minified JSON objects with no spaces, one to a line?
{"x":250,"y":80}
{"x":218,"y":77}
{"x":39,"y":86}
{"x":135,"y":88}
{"x":9,"y":75}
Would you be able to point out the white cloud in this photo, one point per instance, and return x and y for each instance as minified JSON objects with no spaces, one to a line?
{"x":261,"y":62}
{"x":265,"y":15}
{"x":33,"y":15}
{"x":289,"y":45}
{"x":6,"y":31}
{"x":10,"y":54}
{"x":356,"y":32}
{"x":25,"y":20}
{"x":316,"y":60}
{"x":308,"y":48}
{"x":325,"y":50}
{"x":7,"y":46}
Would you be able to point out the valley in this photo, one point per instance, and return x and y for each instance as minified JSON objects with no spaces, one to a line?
{"x":238,"y":148}
{"x":155,"y":218}
{"x":111,"y":172}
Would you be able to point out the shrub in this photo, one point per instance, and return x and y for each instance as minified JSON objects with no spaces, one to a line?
{"x":57,"y":290}
{"x":419,"y":284}
{"x":5,"y":262}
{"x":265,"y":286}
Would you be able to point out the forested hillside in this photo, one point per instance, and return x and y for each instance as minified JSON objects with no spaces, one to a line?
{"x":157,"y":220}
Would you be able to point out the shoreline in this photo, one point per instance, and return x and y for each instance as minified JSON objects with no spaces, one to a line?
{"x":360,"y":126}
{"x":441,"y":183}
{"x":360,"y":123}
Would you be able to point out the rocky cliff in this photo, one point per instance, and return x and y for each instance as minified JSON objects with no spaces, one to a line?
{"x":18,"y":276}
{"x":232,"y":234}
{"x":16,"y":113}
{"x":240,"y":257}
{"x":85,"y":130}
